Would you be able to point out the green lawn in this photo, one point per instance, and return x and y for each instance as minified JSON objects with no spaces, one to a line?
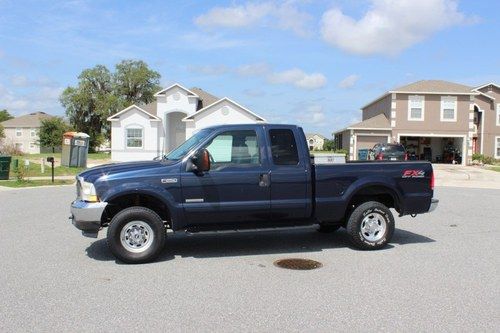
{"x":33,"y":183}
{"x":495,"y":168}
{"x":91,"y":156}
{"x":34,"y":170}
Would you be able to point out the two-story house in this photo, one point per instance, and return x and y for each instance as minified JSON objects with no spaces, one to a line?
{"x":23,"y":131}
{"x":435,"y":120}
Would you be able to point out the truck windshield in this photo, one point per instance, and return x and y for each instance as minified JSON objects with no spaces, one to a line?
{"x":185,"y":147}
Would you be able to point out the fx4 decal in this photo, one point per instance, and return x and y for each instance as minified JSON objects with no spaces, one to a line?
{"x":413,"y":174}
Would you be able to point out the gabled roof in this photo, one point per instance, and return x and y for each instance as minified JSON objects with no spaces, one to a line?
{"x":376,"y":123}
{"x":313,"y":134}
{"x":434,"y":87}
{"x":225,"y":99}
{"x":116,"y":117}
{"x":487,"y":84}
{"x":379,"y":122}
{"x":175,"y":85}
{"x":32,"y":120}
{"x":205,"y":99}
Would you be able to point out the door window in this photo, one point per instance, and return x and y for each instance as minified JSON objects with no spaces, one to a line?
{"x":283,"y":147}
{"x":234,"y":148}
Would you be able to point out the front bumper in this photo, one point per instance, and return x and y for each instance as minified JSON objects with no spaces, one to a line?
{"x":86,"y":216}
{"x":434,"y":204}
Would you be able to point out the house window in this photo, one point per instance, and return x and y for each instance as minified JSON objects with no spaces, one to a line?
{"x":134,"y":137}
{"x":19,"y":132}
{"x":498,"y":114}
{"x":33,"y":132}
{"x":497,"y":147}
{"x":32,"y":145}
{"x":416,"y":108}
{"x":448,"y":108}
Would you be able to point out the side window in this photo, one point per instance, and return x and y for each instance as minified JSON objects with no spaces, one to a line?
{"x":234,"y":147}
{"x":283,"y":147}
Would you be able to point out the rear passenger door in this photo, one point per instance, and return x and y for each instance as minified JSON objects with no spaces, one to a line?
{"x":290,"y":175}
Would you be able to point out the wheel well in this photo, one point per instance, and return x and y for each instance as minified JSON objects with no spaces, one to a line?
{"x":380,"y":194}
{"x":135,"y":199}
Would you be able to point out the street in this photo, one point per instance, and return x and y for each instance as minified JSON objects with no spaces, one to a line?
{"x":440,"y":273}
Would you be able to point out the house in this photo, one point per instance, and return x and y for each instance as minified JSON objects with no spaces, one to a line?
{"x":435,"y":120}
{"x":142,"y":132}
{"x":315,"y":141}
{"x":23,"y":131}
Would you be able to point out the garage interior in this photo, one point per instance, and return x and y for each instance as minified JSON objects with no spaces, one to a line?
{"x":434,"y":149}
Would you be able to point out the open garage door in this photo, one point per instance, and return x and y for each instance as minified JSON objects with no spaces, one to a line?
{"x":368,"y":141}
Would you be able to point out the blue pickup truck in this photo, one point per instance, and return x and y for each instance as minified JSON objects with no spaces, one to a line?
{"x":234,"y":177}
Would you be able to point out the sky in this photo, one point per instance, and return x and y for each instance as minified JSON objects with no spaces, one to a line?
{"x":312,"y":63}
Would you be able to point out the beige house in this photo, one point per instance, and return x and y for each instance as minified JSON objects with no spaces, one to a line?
{"x":315,"y":141}
{"x":23,"y":131}
{"x":435,"y":120}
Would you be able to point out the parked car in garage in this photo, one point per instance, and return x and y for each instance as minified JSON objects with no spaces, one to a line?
{"x":389,"y":152}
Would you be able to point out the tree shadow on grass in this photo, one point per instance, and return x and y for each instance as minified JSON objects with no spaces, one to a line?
{"x":289,"y":241}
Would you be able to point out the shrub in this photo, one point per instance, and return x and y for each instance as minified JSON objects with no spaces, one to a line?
{"x":477,"y":157}
{"x":10,"y":149}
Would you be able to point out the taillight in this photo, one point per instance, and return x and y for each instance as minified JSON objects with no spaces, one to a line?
{"x":432,"y":180}
{"x":379,"y":157}
{"x":406,"y":156}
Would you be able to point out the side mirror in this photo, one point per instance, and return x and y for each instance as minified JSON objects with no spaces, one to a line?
{"x":201,"y":160}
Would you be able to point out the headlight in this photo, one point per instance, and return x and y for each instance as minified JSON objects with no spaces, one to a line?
{"x":88,"y":191}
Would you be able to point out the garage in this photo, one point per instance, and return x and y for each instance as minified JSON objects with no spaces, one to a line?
{"x":364,"y":141}
{"x":435,"y":149}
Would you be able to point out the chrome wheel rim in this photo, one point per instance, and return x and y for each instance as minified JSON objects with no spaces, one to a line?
{"x":373,"y":227}
{"x":136,"y":236}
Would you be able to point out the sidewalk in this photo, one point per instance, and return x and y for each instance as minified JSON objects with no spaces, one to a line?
{"x":465,"y":176}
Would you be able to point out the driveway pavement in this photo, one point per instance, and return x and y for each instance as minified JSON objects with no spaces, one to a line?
{"x":440,"y":273}
{"x":466,"y":176}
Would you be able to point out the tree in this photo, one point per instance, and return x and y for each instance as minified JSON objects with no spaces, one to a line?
{"x":329,"y":144}
{"x":100,"y":94}
{"x":51,"y":132}
{"x":5,"y":115}
{"x":2,"y":133}
{"x":135,"y":82}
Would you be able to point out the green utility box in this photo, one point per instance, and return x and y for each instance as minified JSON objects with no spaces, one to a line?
{"x":5,"y":167}
{"x":75,"y":149}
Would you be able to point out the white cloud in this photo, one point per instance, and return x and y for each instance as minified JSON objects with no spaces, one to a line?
{"x":349,"y":81}
{"x":389,"y":26}
{"x":298,"y":78}
{"x":312,"y":115}
{"x":285,"y":16}
{"x":42,"y":99}
{"x":253,"y":69}
{"x":209,"y":69}
{"x":235,"y":16}
{"x":23,"y":81}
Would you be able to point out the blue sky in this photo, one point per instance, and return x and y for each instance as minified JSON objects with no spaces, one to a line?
{"x":314,"y":63}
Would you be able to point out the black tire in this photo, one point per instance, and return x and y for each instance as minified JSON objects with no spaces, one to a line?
{"x":379,"y":214}
{"x":328,"y":229}
{"x":143,"y":216}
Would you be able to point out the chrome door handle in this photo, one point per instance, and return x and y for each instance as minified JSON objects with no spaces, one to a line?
{"x":264,"y":180}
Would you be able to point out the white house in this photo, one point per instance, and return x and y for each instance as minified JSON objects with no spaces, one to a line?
{"x":144,"y":132}
{"x":315,"y":141}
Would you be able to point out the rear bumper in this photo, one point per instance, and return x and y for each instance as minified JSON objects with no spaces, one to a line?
{"x":86,"y":216}
{"x":434,"y":204}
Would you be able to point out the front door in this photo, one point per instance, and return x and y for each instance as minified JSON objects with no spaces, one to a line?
{"x":237,"y":186}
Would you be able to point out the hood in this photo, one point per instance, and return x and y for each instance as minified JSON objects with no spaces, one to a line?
{"x":91,"y":175}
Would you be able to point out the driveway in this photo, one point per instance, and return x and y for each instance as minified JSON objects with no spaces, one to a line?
{"x":439,"y":273}
{"x":465,"y":176}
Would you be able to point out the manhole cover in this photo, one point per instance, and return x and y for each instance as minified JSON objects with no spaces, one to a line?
{"x":300,"y":264}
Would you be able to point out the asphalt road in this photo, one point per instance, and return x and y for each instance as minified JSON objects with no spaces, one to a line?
{"x":440,"y":273}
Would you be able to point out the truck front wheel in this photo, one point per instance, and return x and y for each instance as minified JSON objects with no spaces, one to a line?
{"x":370,"y":226}
{"x":136,"y":235}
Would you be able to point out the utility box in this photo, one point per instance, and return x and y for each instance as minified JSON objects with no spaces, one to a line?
{"x":328,"y":158}
{"x":75,"y":149}
{"x":5,"y":167}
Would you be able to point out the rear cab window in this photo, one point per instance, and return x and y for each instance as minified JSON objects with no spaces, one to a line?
{"x":283,"y":147}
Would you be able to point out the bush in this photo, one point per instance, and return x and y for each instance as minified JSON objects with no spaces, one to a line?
{"x":488,"y":160}
{"x":477,"y":157}
{"x":340,"y":151}
{"x":10,"y":149}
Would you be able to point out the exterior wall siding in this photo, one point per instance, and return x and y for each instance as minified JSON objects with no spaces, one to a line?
{"x":491,"y":129}
{"x":381,"y":106}
{"x":29,"y":143}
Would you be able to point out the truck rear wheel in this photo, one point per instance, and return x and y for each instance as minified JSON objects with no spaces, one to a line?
{"x":136,"y":235}
{"x":370,"y":226}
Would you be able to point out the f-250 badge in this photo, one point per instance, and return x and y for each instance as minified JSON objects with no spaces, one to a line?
{"x":414,"y":174}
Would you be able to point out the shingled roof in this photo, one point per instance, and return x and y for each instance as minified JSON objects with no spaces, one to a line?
{"x":32,"y":120}
{"x":434,"y":86}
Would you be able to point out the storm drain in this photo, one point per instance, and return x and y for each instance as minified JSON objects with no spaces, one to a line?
{"x":299,"y":264}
